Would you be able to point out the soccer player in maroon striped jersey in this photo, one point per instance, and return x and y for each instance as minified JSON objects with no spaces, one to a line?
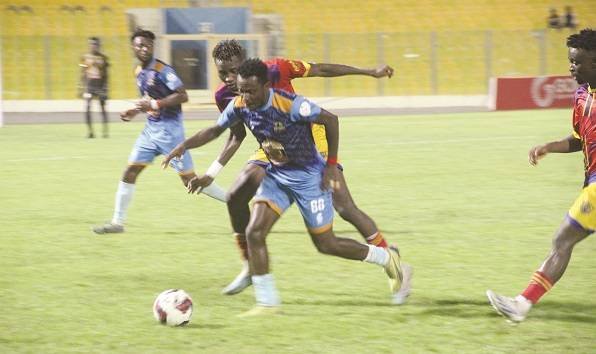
{"x":228,"y":55}
{"x":580,"y":221}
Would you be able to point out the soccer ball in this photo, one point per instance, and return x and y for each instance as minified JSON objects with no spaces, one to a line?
{"x":173,"y":307}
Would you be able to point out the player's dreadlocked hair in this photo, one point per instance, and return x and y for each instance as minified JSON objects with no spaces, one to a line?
{"x":139,"y":32}
{"x":94,"y":39}
{"x":227,"y":49}
{"x":254,"y":67}
{"x":585,"y":39}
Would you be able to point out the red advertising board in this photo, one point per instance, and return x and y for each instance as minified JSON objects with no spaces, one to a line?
{"x":531,"y":92}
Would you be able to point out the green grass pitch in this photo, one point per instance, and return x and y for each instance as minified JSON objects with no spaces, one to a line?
{"x":454,"y":191}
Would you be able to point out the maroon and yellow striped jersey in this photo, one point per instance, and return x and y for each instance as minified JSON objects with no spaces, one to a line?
{"x":584,"y":128}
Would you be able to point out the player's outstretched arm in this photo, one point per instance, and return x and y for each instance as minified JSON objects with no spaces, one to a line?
{"x":237,"y":135}
{"x":129,"y":114}
{"x":199,"y":139}
{"x":331,"y":123}
{"x":333,"y":70}
{"x":567,"y":145}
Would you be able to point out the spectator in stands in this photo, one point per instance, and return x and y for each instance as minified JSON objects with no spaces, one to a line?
{"x":94,"y":83}
{"x":569,"y":19}
{"x":554,"y":21}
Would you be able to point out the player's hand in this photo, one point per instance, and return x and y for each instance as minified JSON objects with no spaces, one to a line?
{"x":129,"y":114}
{"x":330,"y":178}
{"x":197,"y":183}
{"x":536,"y":153}
{"x":144,"y":105}
{"x":177,"y":152}
{"x":383,"y":71}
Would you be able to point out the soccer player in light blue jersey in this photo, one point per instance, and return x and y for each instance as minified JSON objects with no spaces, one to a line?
{"x":297,"y":173}
{"x":162,"y":94}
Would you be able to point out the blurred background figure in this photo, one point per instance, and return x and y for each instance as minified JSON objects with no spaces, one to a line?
{"x":94,"y":83}
{"x":569,"y":19}
{"x":553,"y":20}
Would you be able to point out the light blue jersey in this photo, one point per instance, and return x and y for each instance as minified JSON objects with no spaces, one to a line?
{"x":164,"y":129}
{"x":283,"y":129}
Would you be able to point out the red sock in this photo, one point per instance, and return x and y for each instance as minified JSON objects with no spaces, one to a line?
{"x":538,"y":286}
{"x":242,"y":245}
{"x":376,"y":239}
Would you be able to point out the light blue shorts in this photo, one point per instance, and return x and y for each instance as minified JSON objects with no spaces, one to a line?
{"x":280,"y":188}
{"x":146,"y":149}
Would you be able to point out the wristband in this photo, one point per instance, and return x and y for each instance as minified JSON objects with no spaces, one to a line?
{"x":214,"y":169}
{"x":155,"y":104}
{"x":332,"y":160}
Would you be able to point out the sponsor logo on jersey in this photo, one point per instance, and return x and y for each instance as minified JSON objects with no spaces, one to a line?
{"x":279,"y":127}
{"x":305,"y":109}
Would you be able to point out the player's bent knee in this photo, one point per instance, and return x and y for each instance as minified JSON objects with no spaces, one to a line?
{"x":568,"y":236}
{"x":131,"y":173}
{"x":255,"y":235}
{"x":325,"y":244}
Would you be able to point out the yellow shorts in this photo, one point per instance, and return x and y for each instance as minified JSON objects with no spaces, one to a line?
{"x":319,"y":137}
{"x":583,"y":210}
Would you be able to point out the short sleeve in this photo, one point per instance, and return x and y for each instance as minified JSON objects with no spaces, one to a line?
{"x":228,"y":117}
{"x":294,"y":68}
{"x":170,"y":78}
{"x":304,"y":110}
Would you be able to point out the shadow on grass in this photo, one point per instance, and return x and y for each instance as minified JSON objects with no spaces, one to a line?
{"x":338,"y":302}
{"x":466,"y":308}
{"x":548,"y":311}
{"x":201,"y":325}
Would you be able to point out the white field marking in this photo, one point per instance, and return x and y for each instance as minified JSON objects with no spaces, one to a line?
{"x":448,"y":141}
{"x":58,"y":158}
{"x":51,"y":158}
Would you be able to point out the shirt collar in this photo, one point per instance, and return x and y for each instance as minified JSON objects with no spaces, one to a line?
{"x":268,"y":104}
{"x":151,"y":64}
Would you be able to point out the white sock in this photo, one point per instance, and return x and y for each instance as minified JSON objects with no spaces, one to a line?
{"x":377,"y":255}
{"x":215,"y":192}
{"x":525,"y":304}
{"x":123,"y":198}
{"x":265,"y":291}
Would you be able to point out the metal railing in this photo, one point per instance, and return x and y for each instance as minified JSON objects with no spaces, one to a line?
{"x":426,"y":63}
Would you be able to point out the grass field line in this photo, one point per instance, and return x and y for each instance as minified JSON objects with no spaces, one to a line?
{"x":455,"y":141}
{"x":103,"y":156}
{"x":196,"y":153}
{"x":49,"y":158}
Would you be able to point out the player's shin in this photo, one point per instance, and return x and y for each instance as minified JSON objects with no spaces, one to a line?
{"x":215,"y":192}
{"x":538,"y":286}
{"x":265,"y":291}
{"x":124,"y":196}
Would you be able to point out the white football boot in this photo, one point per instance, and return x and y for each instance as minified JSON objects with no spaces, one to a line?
{"x":515,"y":309}
{"x":241,"y":282}
{"x":401,"y":296}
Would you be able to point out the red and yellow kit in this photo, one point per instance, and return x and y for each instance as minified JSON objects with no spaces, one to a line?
{"x":583,"y":210}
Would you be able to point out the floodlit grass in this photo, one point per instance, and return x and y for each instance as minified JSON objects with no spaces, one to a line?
{"x":455,"y":192}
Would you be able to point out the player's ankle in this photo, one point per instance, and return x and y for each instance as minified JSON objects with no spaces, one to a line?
{"x":525,"y":304}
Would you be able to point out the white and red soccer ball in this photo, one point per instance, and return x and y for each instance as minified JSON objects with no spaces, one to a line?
{"x":173,"y":307}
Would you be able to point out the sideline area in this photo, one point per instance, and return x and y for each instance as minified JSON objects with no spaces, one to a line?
{"x":71,"y":111}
